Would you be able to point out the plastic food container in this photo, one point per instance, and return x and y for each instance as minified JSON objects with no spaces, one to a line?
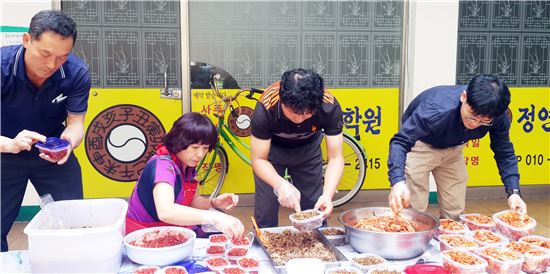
{"x":386,"y":270}
{"x":216,"y":263}
{"x":448,"y":226}
{"x":367,"y":261}
{"x":537,"y":240}
{"x":236,"y":253}
{"x":160,"y":255}
{"x":147,"y":269}
{"x":307,"y":220}
{"x":215,"y":251}
{"x":457,"y":242}
{"x":514,"y":232}
{"x":54,"y":147}
{"x":462,"y":262}
{"x":249,"y":264}
{"x":245,"y":242}
{"x":175,"y":270}
{"x":335,"y":235}
{"x":91,"y":242}
{"x":501,"y":260}
{"x":217,"y":239}
{"x":478,"y":221}
{"x":536,"y":258}
{"x":488,"y":238}
{"x":233,"y":270}
{"x":343,"y":270}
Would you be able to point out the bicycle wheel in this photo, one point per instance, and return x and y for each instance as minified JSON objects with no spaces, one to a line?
{"x":211,"y":181}
{"x":354,"y":170}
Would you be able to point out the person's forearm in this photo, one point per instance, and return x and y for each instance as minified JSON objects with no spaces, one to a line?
{"x":6,"y":144}
{"x":201,"y":202}
{"x":333,"y":173}
{"x":182,"y":215}
{"x":265,"y":171}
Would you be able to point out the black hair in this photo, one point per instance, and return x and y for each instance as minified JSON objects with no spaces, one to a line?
{"x":52,"y":20}
{"x":191,"y":128}
{"x":487,"y":95}
{"x":301,"y":90}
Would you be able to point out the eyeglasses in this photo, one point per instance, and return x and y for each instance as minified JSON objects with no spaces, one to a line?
{"x":477,"y":121}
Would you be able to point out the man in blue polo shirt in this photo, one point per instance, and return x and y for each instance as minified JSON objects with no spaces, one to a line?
{"x":44,"y":94}
{"x":436,"y":125}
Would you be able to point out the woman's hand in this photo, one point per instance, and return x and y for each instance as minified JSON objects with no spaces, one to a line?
{"x":225,"y":201}
{"x":225,"y":223}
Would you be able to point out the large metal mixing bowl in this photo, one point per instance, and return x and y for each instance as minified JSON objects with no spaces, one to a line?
{"x":390,"y":245}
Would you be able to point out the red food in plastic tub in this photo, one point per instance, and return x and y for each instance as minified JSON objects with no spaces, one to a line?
{"x":218,"y":239}
{"x":448,"y":226}
{"x":146,"y":270}
{"x":456,"y":241}
{"x":216,"y":263}
{"x":513,"y":225}
{"x":243,"y":242}
{"x":215,"y":250}
{"x":462,"y":262}
{"x":233,"y":270}
{"x":249,"y":264}
{"x":236,"y":253}
{"x":55,"y":148}
{"x":478,"y":221}
{"x":536,"y":258}
{"x":488,"y":238}
{"x":501,"y":260}
{"x":537,"y":240}
{"x":175,"y":270}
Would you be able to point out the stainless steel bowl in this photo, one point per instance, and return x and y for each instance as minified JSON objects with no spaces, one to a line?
{"x":389,"y":245}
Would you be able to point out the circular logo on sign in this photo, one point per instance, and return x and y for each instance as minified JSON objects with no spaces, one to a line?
{"x":121,"y":139}
{"x":240,"y":121}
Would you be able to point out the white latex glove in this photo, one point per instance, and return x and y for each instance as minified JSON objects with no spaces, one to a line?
{"x":399,"y":197}
{"x":227,"y":224}
{"x":324,"y":204}
{"x":288,"y":195}
{"x":517,"y":204}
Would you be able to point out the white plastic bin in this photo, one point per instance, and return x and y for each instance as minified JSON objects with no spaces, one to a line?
{"x":90,"y":239}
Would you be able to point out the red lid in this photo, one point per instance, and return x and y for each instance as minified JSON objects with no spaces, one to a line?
{"x":425,"y":269}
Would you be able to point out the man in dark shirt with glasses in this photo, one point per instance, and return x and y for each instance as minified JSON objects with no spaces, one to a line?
{"x":436,"y":125}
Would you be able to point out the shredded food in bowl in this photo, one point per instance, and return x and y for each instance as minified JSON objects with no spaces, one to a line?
{"x":480,"y":219}
{"x":515,"y":219}
{"x":463,"y":258}
{"x":160,"y":238}
{"x":385,"y":224}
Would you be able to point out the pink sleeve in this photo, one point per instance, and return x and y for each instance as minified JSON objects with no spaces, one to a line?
{"x":165,"y":172}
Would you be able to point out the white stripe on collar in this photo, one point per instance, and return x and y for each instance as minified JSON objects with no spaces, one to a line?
{"x":17,"y":55}
{"x":62,"y":72}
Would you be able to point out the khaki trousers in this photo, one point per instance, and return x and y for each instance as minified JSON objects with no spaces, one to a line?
{"x":449,"y":170}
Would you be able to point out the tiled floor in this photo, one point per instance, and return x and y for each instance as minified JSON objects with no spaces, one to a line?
{"x":538,"y":207}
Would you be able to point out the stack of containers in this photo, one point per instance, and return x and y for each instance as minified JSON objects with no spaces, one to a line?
{"x":536,"y":258}
{"x":229,"y":256}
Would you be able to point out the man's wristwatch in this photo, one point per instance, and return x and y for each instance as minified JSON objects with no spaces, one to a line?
{"x":513,"y":191}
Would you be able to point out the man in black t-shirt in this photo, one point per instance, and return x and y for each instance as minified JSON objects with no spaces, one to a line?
{"x":288,"y":125}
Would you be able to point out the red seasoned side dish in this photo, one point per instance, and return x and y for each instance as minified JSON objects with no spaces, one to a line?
{"x":536,"y":240}
{"x":502,"y":260}
{"x":249,"y":262}
{"x":145,"y":270}
{"x":536,"y":258}
{"x":237,"y":251}
{"x":160,"y":238}
{"x":480,"y":219}
{"x":515,"y":219}
{"x":449,"y":224}
{"x":244,"y":241}
{"x":233,"y":270}
{"x":215,"y":249}
{"x":487,"y":237}
{"x":218,"y":239}
{"x":217,"y":262}
{"x":175,"y":270}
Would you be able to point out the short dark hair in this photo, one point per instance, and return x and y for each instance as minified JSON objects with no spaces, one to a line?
{"x":301,"y":90}
{"x":191,"y":128}
{"x":55,"y":21}
{"x":488,"y":95}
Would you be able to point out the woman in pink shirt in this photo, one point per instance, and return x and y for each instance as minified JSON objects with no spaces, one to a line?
{"x":165,"y":193}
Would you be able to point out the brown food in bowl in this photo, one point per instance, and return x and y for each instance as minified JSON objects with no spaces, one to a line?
{"x":368,"y":260}
{"x":333,"y":232}
{"x":385,"y":224}
{"x":305,"y":215}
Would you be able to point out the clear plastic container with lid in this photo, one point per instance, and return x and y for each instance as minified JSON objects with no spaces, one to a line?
{"x":536,"y":258}
{"x":501,"y":259}
{"x":215,"y":251}
{"x":478,"y":221}
{"x":448,"y":226}
{"x":486,"y":237}
{"x":367,"y":261}
{"x":217,"y":239}
{"x":307,"y":220}
{"x":216,"y":263}
{"x":463,"y":262}
{"x":249,"y":264}
{"x":457,"y":242}
{"x":55,"y":148}
{"x":335,"y":235}
{"x":246,"y":242}
{"x":236,"y":253}
{"x":513,"y":225}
